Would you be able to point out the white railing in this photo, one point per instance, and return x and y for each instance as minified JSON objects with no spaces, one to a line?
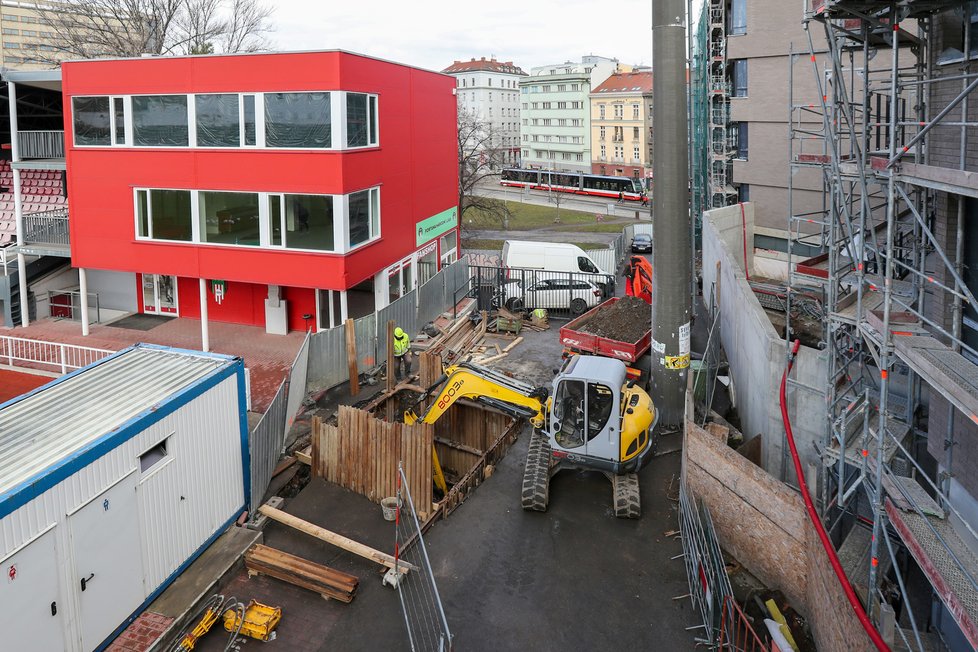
{"x":41,"y":144}
{"x":34,"y":354}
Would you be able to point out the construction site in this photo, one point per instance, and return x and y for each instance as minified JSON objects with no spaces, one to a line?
{"x":768,"y":444}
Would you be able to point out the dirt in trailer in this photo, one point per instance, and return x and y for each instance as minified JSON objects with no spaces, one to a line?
{"x":626,"y":320}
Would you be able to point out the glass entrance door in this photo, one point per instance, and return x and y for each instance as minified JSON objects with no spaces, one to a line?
{"x":159,"y":294}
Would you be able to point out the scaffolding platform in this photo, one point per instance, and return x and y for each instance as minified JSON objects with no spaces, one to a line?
{"x":855,"y":554}
{"x":945,"y":370}
{"x":856,"y":452}
{"x":848,"y":306}
{"x":935,"y":545}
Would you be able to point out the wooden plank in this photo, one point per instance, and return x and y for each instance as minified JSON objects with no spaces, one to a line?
{"x":351,"y":357}
{"x":458,"y":446}
{"x":390,"y":355}
{"x":511,"y":344}
{"x":269,"y":556}
{"x":333,"y":538}
{"x":305,"y":455}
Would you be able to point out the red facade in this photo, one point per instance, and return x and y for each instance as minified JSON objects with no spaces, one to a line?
{"x":414,"y":164}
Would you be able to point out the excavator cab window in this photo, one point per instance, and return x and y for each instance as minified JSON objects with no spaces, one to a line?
{"x":569,"y":414}
{"x":600,"y":400}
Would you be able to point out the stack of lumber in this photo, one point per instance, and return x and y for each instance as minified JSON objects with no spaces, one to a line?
{"x":488,"y":353}
{"x":456,"y":342}
{"x":328,"y":582}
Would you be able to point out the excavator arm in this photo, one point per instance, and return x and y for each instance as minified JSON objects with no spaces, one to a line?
{"x":486,"y":386}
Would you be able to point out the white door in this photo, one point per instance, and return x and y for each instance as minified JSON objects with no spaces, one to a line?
{"x":107,"y":561}
{"x":159,"y":294}
{"x":31,"y":610}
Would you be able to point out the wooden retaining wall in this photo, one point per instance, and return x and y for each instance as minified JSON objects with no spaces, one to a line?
{"x":361,"y":454}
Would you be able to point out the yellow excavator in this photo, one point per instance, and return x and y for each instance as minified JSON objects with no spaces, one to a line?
{"x":596,"y":419}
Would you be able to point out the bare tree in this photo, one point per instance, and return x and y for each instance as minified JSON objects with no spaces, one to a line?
{"x":88,"y":29}
{"x":479,"y":155}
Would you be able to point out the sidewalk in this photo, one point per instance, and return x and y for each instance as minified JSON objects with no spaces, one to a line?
{"x":267,"y":357}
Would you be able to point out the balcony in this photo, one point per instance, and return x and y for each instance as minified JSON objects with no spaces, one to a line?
{"x":41,"y":144}
{"x":46,"y":233}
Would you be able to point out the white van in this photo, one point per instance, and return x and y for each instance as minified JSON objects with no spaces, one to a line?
{"x":556,"y":257}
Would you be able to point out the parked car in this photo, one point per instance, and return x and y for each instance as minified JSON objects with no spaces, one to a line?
{"x":642,"y":242}
{"x":575,"y":295}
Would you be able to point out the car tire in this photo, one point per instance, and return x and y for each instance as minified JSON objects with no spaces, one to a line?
{"x":578,"y":306}
{"x":514,"y":305}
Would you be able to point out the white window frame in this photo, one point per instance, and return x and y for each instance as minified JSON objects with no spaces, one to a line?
{"x":370,"y":117}
{"x":126,"y":121}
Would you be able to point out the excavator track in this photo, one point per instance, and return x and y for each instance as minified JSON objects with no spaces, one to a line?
{"x":536,"y":474}
{"x":628,"y":501}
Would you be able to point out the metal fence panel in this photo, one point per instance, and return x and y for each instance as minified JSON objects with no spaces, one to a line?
{"x":327,"y":358}
{"x":605,"y":259}
{"x":431,"y":298}
{"x":366,"y":337}
{"x":404,"y":312}
{"x":297,"y":382}
{"x":265,"y":444}
{"x":456,"y":278}
{"x":560,"y":293}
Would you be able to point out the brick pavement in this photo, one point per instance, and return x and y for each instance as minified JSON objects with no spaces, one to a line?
{"x":267,"y":357}
{"x":141,"y":634}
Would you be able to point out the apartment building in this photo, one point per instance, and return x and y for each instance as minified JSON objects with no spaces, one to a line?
{"x":488,"y":90}
{"x":23,"y":33}
{"x":621,"y":125}
{"x":555,"y":128}
{"x":279,"y":189}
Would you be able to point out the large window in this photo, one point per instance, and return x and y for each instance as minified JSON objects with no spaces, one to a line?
{"x":160,"y":121}
{"x":301,"y":222}
{"x":229,"y":218}
{"x":218,"y":123}
{"x":738,"y":134}
{"x":361,"y":120}
{"x":364,"y":214}
{"x":90,"y":116}
{"x":164,"y":215}
{"x":297,"y":120}
{"x":738,"y":78}
{"x":737,"y":17}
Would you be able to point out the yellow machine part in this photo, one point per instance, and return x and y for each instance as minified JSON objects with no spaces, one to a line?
{"x":638,"y":414}
{"x":206,"y":622}
{"x":259,"y":622}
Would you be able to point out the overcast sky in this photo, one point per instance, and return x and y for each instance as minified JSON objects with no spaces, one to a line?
{"x":434,"y":33}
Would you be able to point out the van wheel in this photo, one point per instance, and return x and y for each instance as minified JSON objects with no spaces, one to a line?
{"x":578,"y":306}
{"x":514,"y":305}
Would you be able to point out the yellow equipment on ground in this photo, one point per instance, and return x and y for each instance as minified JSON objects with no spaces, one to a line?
{"x":596,"y":420}
{"x":260,"y":621}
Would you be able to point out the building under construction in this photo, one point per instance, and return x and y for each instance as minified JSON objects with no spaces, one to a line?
{"x":881,"y":214}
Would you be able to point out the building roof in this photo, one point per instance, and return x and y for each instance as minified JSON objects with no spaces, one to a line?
{"x":479,"y":65}
{"x":626,"y":82}
{"x":51,"y":432}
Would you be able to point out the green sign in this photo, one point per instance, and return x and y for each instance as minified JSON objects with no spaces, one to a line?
{"x":435,"y":225}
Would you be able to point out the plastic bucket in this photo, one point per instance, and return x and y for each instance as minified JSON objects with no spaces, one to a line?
{"x":390,"y":505}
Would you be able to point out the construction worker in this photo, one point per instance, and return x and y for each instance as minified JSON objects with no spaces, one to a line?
{"x":402,"y":353}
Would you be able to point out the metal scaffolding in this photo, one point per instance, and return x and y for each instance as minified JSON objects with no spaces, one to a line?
{"x":880,"y":271}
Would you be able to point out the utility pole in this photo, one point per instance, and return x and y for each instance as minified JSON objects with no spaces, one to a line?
{"x":671,"y":247}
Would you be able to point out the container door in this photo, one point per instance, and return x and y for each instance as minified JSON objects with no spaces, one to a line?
{"x":107,"y":560}
{"x":32,"y":609}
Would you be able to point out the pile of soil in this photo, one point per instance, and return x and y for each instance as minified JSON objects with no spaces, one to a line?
{"x":625,"y":320}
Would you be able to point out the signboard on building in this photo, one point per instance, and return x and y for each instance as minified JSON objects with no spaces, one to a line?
{"x":435,"y":225}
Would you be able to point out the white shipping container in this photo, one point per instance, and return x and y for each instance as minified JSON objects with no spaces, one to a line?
{"x":112,"y":480}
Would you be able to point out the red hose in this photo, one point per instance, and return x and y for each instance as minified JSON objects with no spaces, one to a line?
{"x":816,"y":521}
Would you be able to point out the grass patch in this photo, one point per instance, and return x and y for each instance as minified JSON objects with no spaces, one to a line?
{"x":497,"y":245}
{"x":527,"y":217}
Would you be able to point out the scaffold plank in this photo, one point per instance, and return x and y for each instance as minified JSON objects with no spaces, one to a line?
{"x":945,"y":370}
{"x":933,"y":554}
{"x":961,"y":182}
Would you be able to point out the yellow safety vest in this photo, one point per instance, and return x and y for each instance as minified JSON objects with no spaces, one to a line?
{"x":402,"y":345}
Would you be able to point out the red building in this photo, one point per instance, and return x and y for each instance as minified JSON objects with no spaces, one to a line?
{"x":275,"y":185}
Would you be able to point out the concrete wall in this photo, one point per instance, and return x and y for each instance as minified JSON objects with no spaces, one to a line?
{"x":756,"y":353}
{"x":763,"y":524}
